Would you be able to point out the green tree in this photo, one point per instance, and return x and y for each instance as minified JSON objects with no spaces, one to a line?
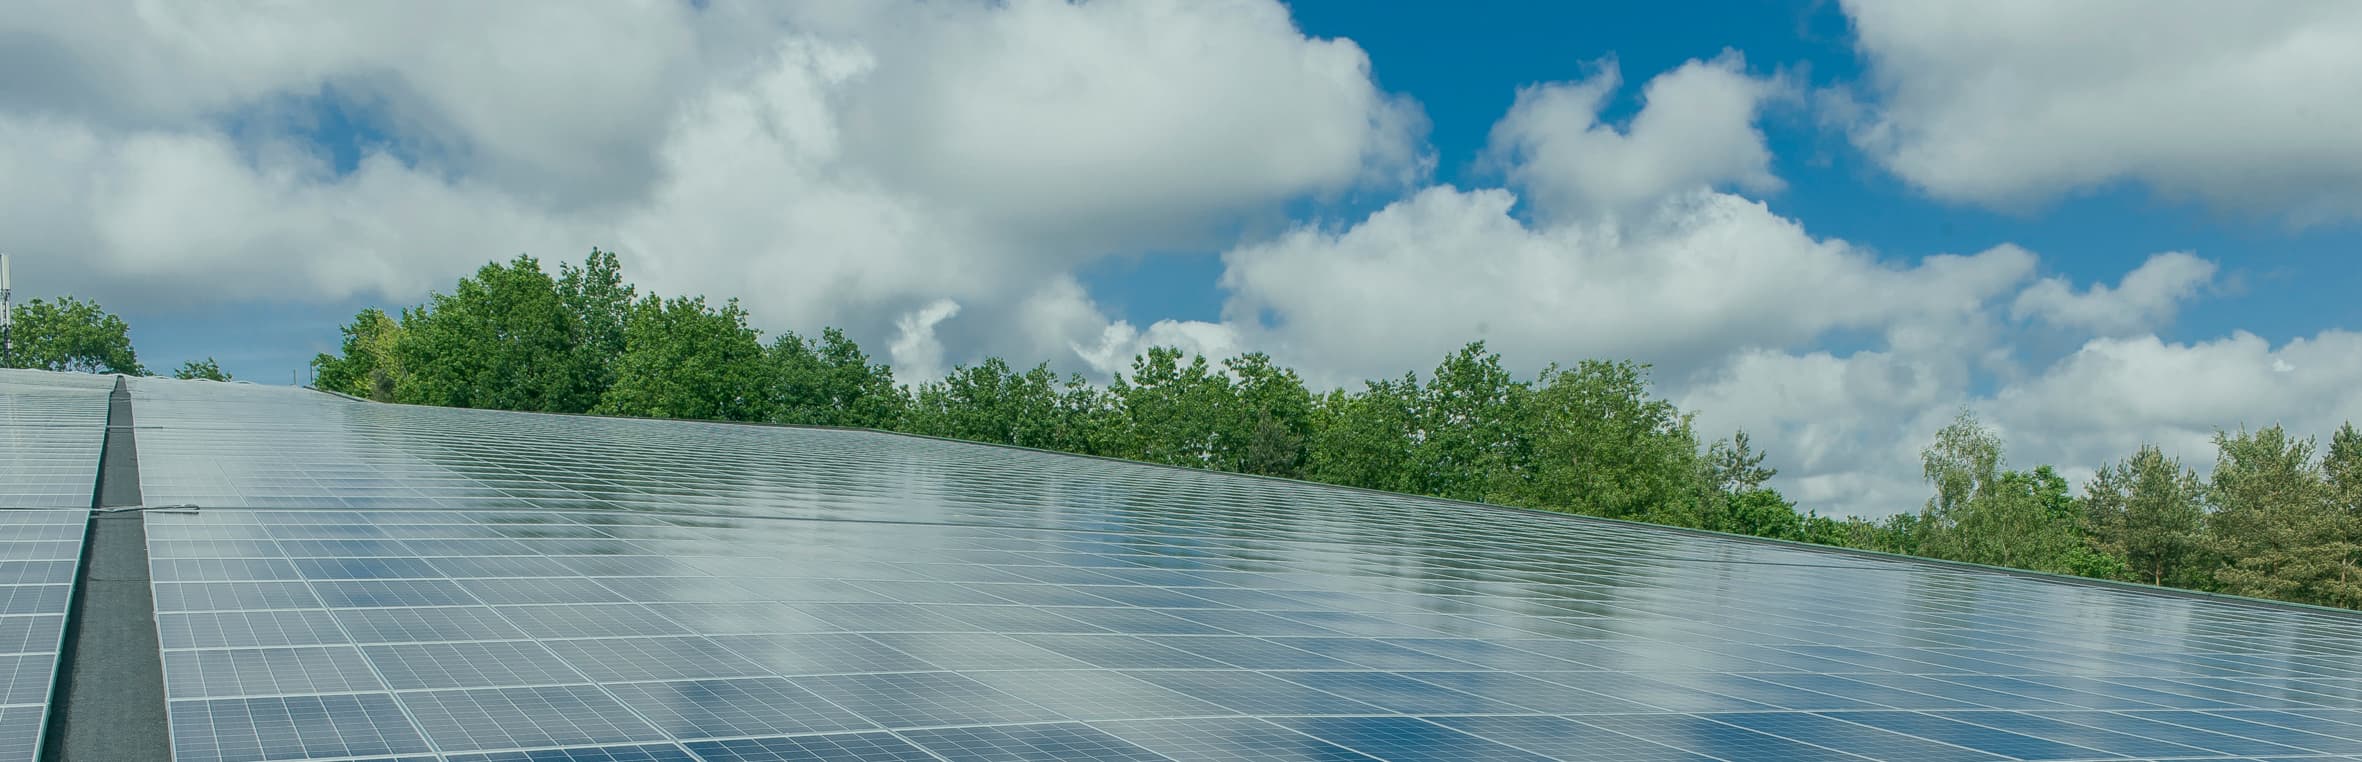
{"x":72,"y":335}
{"x":205,"y":369}
{"x":1735,"y":467}
{"x":1276,"y":410}
{"x":1367,"y":439}
{"x":1179,"y":413}
{"x":1602,"y":446}
{"x":2150,"y":511}
{"x":368,"y":365}
{"x":683,"y":359}
{"x":1764,"y":513}
{"x":602,"y":303}
{"x":991,"y":402}
{"x":504,"y":339}
{"x":831,"y":382}
{"x":1469,"y":421}
{"x":2276,"y":521}
{"x":1984,"y":514}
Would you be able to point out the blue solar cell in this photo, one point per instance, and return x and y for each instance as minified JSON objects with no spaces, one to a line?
{"x":1257,"y":693}
{"x":1963,"y":734}
{"x":293,"y":727}
{"x":838,"y":747}
{"x":1055,"y":742}
{"x":513,"y":718}
{"x":633,"y":753}
{"x":389,"y":593}
{"x":1400,"y":693}
{"x":2288,"y":730}
{"x":1096,"y":695}
{"x":1698,"y":734}
{"x":923,"y":699}
{"x":1567,"y":739}
{"x":2188,"y":736}
{"x":1232,"y":740}
{"x":544,"y":587}
{"x":1121,"y":651}
{"x":697,"y":709}
{"x":1851,"y":738}
{"x":1252,"y":653}
{"x":1404,"y":739}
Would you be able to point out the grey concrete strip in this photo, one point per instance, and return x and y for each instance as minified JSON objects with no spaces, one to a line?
{"x":109,"y":703}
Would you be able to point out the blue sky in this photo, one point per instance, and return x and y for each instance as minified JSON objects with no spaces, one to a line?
{"x":1889,"y":211}
{"x":1464,"y":63}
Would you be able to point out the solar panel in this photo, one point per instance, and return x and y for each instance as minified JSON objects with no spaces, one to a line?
{"x":378,"y":581}
{"x":52,"y":427}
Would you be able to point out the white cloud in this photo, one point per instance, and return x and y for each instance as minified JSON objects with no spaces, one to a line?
{"x":1702,"y":274}
{"x":2147,"y":297}
{"x":2246,"y":106}
{"x":1696,"y":130}
{"x":2114,"y":394}
{"x":916,"y":354}
{"x":842,"y":163}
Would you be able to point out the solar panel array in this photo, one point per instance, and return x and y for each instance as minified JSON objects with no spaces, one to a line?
{"x":51,"y":429}
{"x":385,"y":582}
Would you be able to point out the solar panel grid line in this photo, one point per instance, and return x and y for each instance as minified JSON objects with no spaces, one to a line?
{"x":439,"y":742}
{"x":1524,"y":592}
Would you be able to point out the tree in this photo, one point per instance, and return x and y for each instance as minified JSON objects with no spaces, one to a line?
{"x":2277,"y":522}
{"x":72,"y":335}
{"x":1762,"y":513}
{"x":1468,"y":425}
{"x":1984,"y":514}
{"x":831,"y":382}
{"x":1735,"y":467}
{"x":205,"y":369}
{"x":1179,"y":413}
{"x":601,"y":303}
{"x":368,"y":365}
{"x":2150,"y":512}
{"x":1368,"y":439}
{"x":1602,"y":446}
{"x":504,"y":339}
{"x":682,"y":359}
{"x":991,"y":402}
{"x":1276,"y":409}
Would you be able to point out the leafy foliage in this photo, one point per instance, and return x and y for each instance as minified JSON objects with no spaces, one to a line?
{"x":2279,"y":521}
{"x":368,"y":367}
{"x":504,"y":339}
{"x":1592,"y":438}
{"x":1984,"y":514}
{"x":831,"y":382}
{"x":2150,"y":512}
{"x":205,"y":369}
{"x":683,"y":359}
{"x":72,"y":335}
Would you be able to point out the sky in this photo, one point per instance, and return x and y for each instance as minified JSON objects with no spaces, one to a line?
{"x":1832,"y":225}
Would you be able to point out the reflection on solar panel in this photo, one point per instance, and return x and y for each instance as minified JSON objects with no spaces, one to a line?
{"x":51,"y":428}
{"x":376,"y":581}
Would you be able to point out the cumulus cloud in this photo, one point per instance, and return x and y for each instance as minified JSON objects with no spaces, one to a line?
{"x":1702,"y":274}
{"x":2147,"y":297}
{"x":916,"y":353}
{"x":1696,"y":130}
{"x":2247,"y":107}
{"x":831,"y":162}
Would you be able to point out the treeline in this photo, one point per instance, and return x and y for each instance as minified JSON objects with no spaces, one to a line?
{"x":76,"y":336}
{"x":2276,"y":519}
